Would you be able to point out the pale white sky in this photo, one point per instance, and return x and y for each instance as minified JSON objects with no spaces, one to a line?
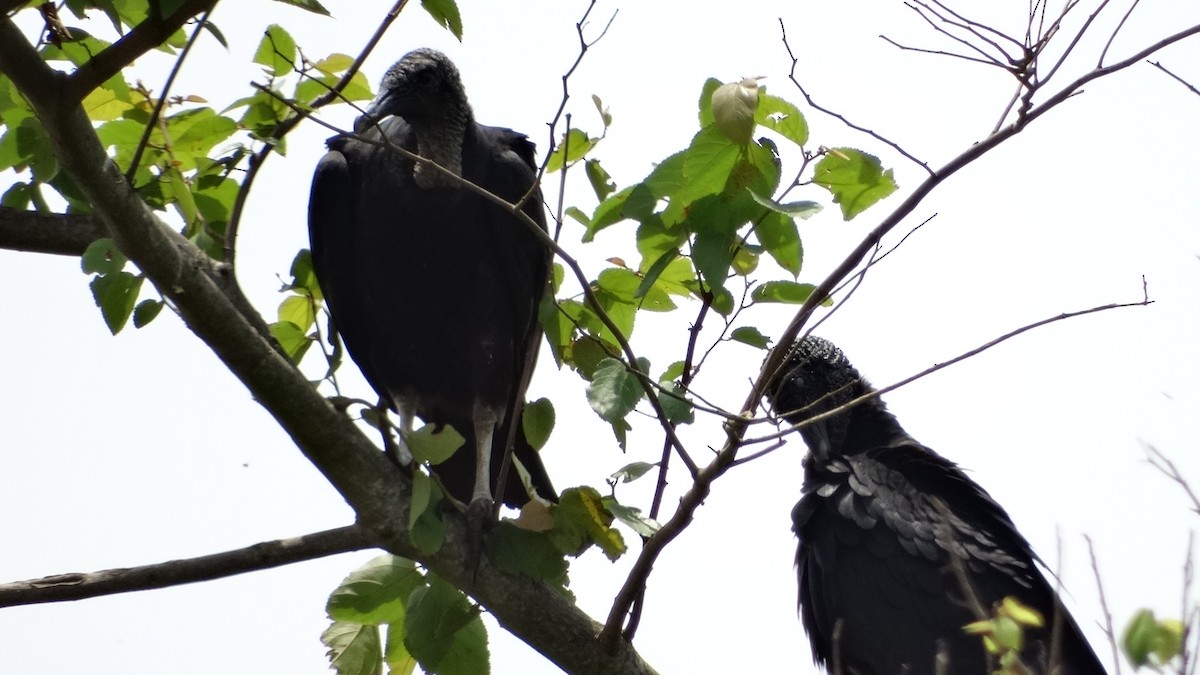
{"x":141,"y":448}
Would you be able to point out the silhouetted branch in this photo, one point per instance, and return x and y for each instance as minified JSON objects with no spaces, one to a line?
{"x":1192,"y":88}
{"x":147,"y":35}
{"x":54,"y":233}
{"x":79,"y":586}
{"x":1164,"y":464}
{"x":839,"y":116}
{"x":1107,"y":626}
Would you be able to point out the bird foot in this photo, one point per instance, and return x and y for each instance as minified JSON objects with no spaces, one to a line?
{"x":479,"y":516}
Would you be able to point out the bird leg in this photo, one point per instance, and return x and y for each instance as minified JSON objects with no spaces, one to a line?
{"x":479,"y":511}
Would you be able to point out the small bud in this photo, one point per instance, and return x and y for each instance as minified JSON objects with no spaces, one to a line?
{"x":733,"y":106}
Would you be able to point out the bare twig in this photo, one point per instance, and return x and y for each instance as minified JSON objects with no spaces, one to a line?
{"x":79,"y":586}
{"x":1192,"y":88}
{"x":1113,"y":36}
{"x":792,"y":76}
{"x":1107,"y":626}
{"x":1164,"y":464}
{"x":1145,"y":301}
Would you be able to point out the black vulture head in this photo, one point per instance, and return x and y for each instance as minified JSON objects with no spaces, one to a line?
{"x":815,"y":378}
{"x":425,"y":89}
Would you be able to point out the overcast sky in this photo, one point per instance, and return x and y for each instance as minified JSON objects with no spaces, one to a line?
{"x":142,"y":448}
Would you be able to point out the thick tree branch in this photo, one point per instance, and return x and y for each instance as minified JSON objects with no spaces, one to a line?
{"x":79,"y":586}
{"x":147,"y":35}
{"x":374,"y":487}
{"x":55,"y":233}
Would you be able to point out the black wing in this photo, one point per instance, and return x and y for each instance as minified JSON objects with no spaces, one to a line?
{"x":879,"y":590}
{"x":434,"y":291}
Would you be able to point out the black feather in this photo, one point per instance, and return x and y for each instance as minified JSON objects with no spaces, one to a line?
{"x":433,"y":288}
{"x":883,"y":524}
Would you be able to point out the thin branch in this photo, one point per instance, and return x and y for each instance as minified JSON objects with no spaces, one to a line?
{"x":80,"y":586}
{"x":1164,"y":464}
{"x":1120,"y":24}
{"x":1087,"y":24}
{"x":162,"y":96}
{"x":936,"y":52}
{"x":147,"y":35}
{"x":1107,"y":627}
{"x":841,"y":118}
{"x":988,"y":58}
{"x":1177,"y":78}
{"x":1144,"y":302}
{"x":334,"y":93}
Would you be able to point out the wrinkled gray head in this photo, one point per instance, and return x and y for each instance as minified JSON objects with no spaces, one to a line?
{"x":816,"y":377}
{"x":424,"y":88}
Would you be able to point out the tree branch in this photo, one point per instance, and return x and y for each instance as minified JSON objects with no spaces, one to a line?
{"x":79,"y":586}
{"x":54,"y":233}
{"x":372,"y":485}
{"x":147,"y":35}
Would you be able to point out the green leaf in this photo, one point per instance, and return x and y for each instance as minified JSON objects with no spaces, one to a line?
{"x":276,"y":51}
{"x":614,"y":390}
{"x":605,"y":116}
{"x":802,"y":209}
{"x":586,"y":355}
{"x":376,"y":592}
{"x":145,"y":312}
{"x":856,"y":180}
{"x":309,"y":5}
{"x":632,"y":471}
{"x":628,"y":287}
{"x":1150,"y":641}
{"x":602,"y":183}
{"x":427,"y":530}
{"x":395,"y":654}
{"x":102,"y":257}
{"x":676,"y":406}
{"x":779,"y":235}
{"x":445,"y":12}
{"x":520,"y":551}
{"x":115,"y":295}
{"x":673,"y":372}
{"x":749,"y":335}
{"x":299,"y":310}
{"x":788,"y":292}
{"x":573,"y":147}
{"x":433,"y":445}
{"x":632,"y":517}
{"x":580,"y":520}
{"x":537,"y":422}
{"x":354,"y":649}
{"x":444,"y":632}
{"x":733,"y":108}
{"x":292,"y":338}
{"x":781,"y":117}
{"x":705,"y":104}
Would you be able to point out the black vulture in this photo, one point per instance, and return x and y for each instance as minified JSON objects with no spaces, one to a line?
{"x":892,"y":535}
{"x":433,"y":288}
